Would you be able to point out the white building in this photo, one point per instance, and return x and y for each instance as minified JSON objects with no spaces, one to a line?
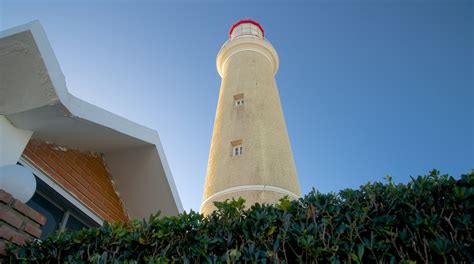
{"x":90,"y":165}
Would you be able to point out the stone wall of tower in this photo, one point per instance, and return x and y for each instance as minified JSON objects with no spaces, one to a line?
{"x":266,"y":171}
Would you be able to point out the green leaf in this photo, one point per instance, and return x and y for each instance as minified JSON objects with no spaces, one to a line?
{"x":355,"y":258}
{"x":360,"y":251}
{"x":271,"y":230}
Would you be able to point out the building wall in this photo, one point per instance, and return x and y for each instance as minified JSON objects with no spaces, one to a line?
{"x":18,"y":222}
{"x":83,"y":174}
{"x":12,"y":140}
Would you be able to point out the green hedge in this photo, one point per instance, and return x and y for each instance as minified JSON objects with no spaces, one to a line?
{"x":428,"y":220}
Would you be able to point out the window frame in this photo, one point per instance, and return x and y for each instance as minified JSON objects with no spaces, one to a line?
{"x":237,"y":151}
{"x":239,"y":100}
{"x":237,"y":148}
{"x":66,"y":207}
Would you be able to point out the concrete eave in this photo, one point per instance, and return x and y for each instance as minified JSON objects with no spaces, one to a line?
{"x":34,"y":97}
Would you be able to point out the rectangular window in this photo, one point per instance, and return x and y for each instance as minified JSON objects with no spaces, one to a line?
{"x":59,"y":212}
{"x":237,"y":149}
{"x":239,"y":100}
{"x":53,"y":213}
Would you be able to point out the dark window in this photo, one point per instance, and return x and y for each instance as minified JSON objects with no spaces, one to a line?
{"x":53,"y":214}
{"x":60,"y":213}
{"x":73,"y":223}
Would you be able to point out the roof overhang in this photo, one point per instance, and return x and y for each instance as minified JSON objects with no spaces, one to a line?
{"x":34,"y":97}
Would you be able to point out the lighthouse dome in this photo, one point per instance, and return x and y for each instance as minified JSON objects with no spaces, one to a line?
{"x":246,"y":28}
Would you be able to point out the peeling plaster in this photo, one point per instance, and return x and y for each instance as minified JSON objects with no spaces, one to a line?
{"x":114,"y":186}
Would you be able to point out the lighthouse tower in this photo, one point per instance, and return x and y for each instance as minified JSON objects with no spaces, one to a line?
{"x":250,"y":154}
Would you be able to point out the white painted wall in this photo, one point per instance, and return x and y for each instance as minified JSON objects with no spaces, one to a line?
{"x":34,"y":97}
{"x":142,"y":182}
{"x":12,"y":142}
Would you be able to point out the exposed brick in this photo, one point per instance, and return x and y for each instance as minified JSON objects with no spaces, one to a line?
{"x":10,"y":217}
{"x":98,"y":211}
{"x":12,"y":235}
{"x":83,"y":174}
{"x":29,"y":212}
{"x":15,"y":225}
{"x":5,"y":197}
{"x":64,"y":171}
{"x":32,"y":230}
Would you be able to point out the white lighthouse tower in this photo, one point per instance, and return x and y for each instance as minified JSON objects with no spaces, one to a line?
{"x":250,"y":153}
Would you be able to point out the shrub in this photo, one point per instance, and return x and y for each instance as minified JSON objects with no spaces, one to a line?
{"x":428,"y":220}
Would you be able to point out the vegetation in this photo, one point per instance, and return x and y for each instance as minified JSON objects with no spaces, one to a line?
{"x":428,"y":220}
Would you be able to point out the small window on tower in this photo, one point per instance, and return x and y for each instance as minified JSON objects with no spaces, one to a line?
{"x":239,"y":100}
{"x":237,"y":149}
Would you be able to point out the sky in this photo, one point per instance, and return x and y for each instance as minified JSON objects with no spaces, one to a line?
{"x":368,"y":88}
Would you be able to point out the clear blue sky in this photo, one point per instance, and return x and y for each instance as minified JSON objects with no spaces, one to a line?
{"x":368,"y":88}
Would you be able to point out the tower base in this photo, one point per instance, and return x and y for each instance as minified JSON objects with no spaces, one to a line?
{"x":263,"y":194}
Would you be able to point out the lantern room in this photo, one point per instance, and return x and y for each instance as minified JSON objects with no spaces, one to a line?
{"x":246,"y":28}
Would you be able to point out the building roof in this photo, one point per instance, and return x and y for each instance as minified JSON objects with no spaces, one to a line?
{"x":34,"y":97}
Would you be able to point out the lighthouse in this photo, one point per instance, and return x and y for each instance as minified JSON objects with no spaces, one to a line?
{"x":250,"y":154}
